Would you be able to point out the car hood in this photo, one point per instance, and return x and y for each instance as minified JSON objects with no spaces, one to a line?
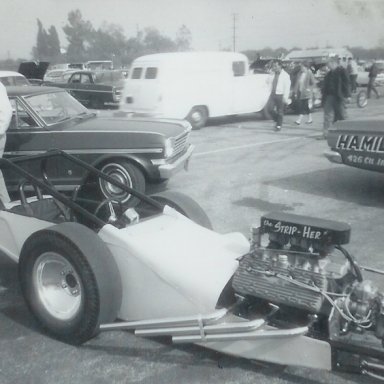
{"x":163,"y":127}
{"x":33,"y":70}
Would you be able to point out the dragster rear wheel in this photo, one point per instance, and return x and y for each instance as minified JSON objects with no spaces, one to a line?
{"x":185,"y":205}
{"x":70,"y":281}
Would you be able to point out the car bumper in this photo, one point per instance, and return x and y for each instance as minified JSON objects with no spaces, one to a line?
{"x":333,"y":157}
{"x":167,"y":170}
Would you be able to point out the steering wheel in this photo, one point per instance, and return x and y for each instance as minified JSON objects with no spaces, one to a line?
{"x":62,"y":113}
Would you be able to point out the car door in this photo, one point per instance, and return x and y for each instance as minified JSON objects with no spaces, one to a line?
{"x":78,"y":86}
{"x":25,"y":136}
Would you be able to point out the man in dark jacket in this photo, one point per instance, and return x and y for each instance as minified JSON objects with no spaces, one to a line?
{"x":335,"y":90}
{"x":373,"y":72}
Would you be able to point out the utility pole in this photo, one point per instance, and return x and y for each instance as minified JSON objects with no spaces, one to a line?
{"x":234,"y":15}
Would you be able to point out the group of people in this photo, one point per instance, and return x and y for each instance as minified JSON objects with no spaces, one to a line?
{"x":302,"y":90}
{"x":338,"y":84}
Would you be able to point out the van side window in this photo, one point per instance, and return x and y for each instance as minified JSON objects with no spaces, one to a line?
{"x":238,"y":68}
{"x":136,"y":74}
{"x":151,"y":73}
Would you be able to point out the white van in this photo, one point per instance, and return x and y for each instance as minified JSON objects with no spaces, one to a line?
{"x":194,"y":86}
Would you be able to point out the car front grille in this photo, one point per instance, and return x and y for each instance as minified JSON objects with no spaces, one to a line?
{"x":180,"y":144}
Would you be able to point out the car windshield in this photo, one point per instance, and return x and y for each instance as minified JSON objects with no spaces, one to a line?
{"x":54,"y":107}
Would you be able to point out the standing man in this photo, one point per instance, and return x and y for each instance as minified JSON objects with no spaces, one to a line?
{"x":373,"y":72}
{"x":352,"y":72}
{"x":281,"y":85}
{"x":335,"y":90}
{"x":5,"y":118}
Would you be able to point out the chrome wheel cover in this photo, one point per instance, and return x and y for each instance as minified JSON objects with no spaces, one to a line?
{"x":57,"y":285}
{"x":120,"y":174}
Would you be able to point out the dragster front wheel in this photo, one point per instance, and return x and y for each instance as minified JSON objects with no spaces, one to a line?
{"x":70,"y":281}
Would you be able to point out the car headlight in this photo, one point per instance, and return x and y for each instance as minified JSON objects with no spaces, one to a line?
{"x":169,"y":148}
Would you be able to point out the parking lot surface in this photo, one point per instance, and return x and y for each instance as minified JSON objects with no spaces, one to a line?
{"x":240,"y":170}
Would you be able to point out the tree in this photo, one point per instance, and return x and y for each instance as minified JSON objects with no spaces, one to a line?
{"x":79,"y":35}
{"x":53,"y":42}
{"x":155,"y":42}
{"x":107,"y":43}
{"x":183,"y":39}
{"x":47,"y":43}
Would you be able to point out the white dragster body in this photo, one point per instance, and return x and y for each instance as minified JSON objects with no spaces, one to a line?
{"x":171,"y":266}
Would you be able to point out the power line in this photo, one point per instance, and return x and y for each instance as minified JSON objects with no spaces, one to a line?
{"x":234,"y":16}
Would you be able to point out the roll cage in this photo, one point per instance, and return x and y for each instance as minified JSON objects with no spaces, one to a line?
{"x":75,"y":205}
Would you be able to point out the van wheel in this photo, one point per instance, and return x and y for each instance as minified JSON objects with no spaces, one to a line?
{"x":198,"y":117}
{"x":70,"y":281}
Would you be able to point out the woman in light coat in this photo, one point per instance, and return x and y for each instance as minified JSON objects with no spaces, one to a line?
{"x":303,"y":91}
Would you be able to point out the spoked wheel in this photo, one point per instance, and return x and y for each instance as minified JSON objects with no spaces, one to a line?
{"x":198,"y":117}
{"x":126,"y":173}
{"x":70,"y":281}
{"x":362,"y":99}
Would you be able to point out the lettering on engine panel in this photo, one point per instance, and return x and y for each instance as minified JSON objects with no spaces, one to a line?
{"x":304,"y":231}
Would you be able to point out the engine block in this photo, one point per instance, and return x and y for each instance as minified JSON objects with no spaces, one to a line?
{"x":296,"y":268}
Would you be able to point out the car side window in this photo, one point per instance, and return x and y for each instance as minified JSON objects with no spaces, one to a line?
{"x":6,"y":81}
{"x":151,"y":73}
{"x":238,"y":68}
{"x":75,"y":78}
{"x":136,"y":73}
{"x":20,"y":117}
{"x":85,"y":79}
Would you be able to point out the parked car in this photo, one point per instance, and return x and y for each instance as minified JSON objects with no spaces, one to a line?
{"x":363,"y":78}
{"x":134,"y":151}
{"x":12,"y":78}
{"x":95,"y":89}
{"x":357,"y":143}
{"x":58,"y":75}
{"x":194,"y":86}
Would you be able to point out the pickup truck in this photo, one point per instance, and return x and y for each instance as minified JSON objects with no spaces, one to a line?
{"x":94,"y":89}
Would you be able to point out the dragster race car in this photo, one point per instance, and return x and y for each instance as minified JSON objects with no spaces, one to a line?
{"x":153,"y":265}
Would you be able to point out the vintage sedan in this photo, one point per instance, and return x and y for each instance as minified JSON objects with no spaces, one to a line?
{"x":358,"y":143}
{"x":133,"y":151}
{"x":94,"y":89}
{"x":8,"y":78}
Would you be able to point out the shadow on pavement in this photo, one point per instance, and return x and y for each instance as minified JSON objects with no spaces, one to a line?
{"x":342,"y":183}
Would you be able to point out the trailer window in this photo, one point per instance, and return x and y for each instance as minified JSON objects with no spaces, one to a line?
{"x":151,"y":73}
{"x":238,"y":68}
{"x":136,"y":74}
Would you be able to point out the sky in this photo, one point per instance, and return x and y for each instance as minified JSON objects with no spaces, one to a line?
{"x":214,"y":24}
